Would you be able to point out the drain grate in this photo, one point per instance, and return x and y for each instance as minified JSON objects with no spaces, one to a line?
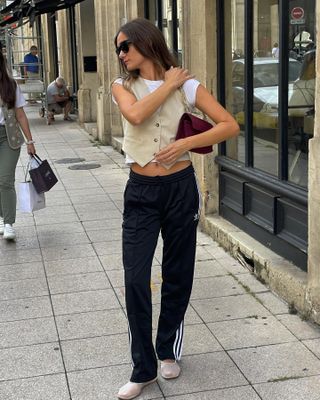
{"x":69,"y":160}
{"x":84,"y":166}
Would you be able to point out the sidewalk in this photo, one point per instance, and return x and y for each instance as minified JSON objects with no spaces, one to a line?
{"x":63,"y":331}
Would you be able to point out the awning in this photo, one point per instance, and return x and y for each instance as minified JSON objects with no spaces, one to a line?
{"x":18,"y":10}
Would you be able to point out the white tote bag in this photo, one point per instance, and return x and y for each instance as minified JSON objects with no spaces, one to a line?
{"x":28,"y":198}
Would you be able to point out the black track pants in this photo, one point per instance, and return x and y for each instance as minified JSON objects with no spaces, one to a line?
{"x":170,"y":204}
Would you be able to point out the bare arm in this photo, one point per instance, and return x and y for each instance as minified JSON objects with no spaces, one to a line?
{"x":23,"y":122}
{"x":225,"y":128}
{"x":137,"y":111}
{"x":58,"y":98}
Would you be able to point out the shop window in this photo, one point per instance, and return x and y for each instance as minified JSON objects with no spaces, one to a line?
{"x":269,"y":74}
{"x":167,"y":15}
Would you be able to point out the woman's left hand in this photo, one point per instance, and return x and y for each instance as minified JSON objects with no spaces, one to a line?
{"x":31,"y":149}
{"x":172,"y":152}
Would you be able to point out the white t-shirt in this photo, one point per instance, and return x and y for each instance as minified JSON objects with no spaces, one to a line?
{"x":20,"y":102}
{"x":189,"y":87}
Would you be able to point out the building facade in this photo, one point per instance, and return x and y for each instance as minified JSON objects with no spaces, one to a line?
{"x":258,"y":57}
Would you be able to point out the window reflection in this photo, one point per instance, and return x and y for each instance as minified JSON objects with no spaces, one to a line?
{"x":302,"y":90}
{"x":167,"y":16}
{"x":234,"y":61}
{"x":266,"y":85}
{"x":301,"y":119}
{"x":266,"y":63}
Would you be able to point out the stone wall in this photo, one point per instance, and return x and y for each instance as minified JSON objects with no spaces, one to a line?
{"x":313,"y":293}
{"x":86,"y":47}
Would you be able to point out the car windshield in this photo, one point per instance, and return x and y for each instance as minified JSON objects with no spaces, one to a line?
{"x":268,"y":74}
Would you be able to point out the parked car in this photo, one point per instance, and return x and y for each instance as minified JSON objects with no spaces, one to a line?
{"x":265,"y":93}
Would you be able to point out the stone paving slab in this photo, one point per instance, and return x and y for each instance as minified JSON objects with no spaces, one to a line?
{"x":20,"y":256}
{"x":27,"y":332}
{"x":293,"y":389}
{"x":313,"y":345}
{"x":54,"y":229}
{"x":227,"y":308}
{"x":21,"y":271}
{"x":23,"y":242}
{"x":277,"y":362}
{"x":23,"y":289}
{"x":91,"y":324}
{"x":104,"y":383}
{"x":220,"y":286}
{"x":29,"y":361}
{"x":199,"y":340}
{"x":238,"y":393}
{"x":202,"y":373}
{"x":14,"y":310}
{"x":250,"y":332}
{"x":78,"y":282}
{"x":63,"y":327}
{"x":301,"y":329}
{"x":273,"y":303}
{"x":93,"y":300}
{"x":73,"y":266}
{"x":204,"y":269}
{"x":65,"y":252}
{"x":49,"y":387}
{"x":54,"y":240}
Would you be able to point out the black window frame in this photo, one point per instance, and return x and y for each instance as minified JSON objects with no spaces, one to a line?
{"x":159,"y":14}
{"x":291,"y":190}
{"x":238,"y":181}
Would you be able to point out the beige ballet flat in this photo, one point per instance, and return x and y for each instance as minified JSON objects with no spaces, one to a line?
{"x":132,"y":389}
{"x":169,"y":370}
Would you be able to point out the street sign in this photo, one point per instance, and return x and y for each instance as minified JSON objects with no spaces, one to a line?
{"x":297,"y":16}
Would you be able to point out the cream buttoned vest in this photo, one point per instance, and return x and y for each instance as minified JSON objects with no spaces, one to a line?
{"x":143,"y":141}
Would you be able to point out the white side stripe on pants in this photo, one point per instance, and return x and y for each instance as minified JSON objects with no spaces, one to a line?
{"x":177,"y":345}
{"x":200,"y":195}
{"x":130,"y":345}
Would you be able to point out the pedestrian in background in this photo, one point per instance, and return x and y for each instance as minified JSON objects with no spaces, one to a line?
{"x":12,"y":102}
{"x":31,"y":63}
{"x":31,"y":70}
{"x":161,"y":195}
{"x":59,"y":99}
{"x":275,"y":50}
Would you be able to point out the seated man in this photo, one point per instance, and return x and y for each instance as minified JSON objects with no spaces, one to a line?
{"x":59,"y":99}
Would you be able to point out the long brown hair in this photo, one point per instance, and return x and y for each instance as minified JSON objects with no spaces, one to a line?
{"x":149,"y":41}
{"x":7,"y":84}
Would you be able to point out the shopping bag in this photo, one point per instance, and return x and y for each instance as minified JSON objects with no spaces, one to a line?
{"x":43,"y":178}
{"x":29,"y":199}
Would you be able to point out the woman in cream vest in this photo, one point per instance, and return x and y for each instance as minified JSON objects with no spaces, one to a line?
{"x":161,"y":194}
{"x":11,"y":139}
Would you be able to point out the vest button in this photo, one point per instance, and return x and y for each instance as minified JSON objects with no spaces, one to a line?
{"x":155,"y":140}
{"x":157,"y":124}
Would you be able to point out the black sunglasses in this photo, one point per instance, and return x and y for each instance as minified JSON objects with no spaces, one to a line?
{"x":123,"y":47}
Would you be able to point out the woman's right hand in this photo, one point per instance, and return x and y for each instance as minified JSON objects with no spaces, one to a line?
{"x":31,"y":149}
{"x":176,"y":77}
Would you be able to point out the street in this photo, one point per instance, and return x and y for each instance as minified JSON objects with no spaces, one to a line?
{"x":63,"y":330}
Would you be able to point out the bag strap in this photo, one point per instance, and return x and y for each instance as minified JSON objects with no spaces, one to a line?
{"x":27,"y":170}
{"x":37,"y":158}
{"x":188,"y":108}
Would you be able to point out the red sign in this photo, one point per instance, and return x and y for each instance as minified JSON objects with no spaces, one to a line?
{"x":297,"y":13}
